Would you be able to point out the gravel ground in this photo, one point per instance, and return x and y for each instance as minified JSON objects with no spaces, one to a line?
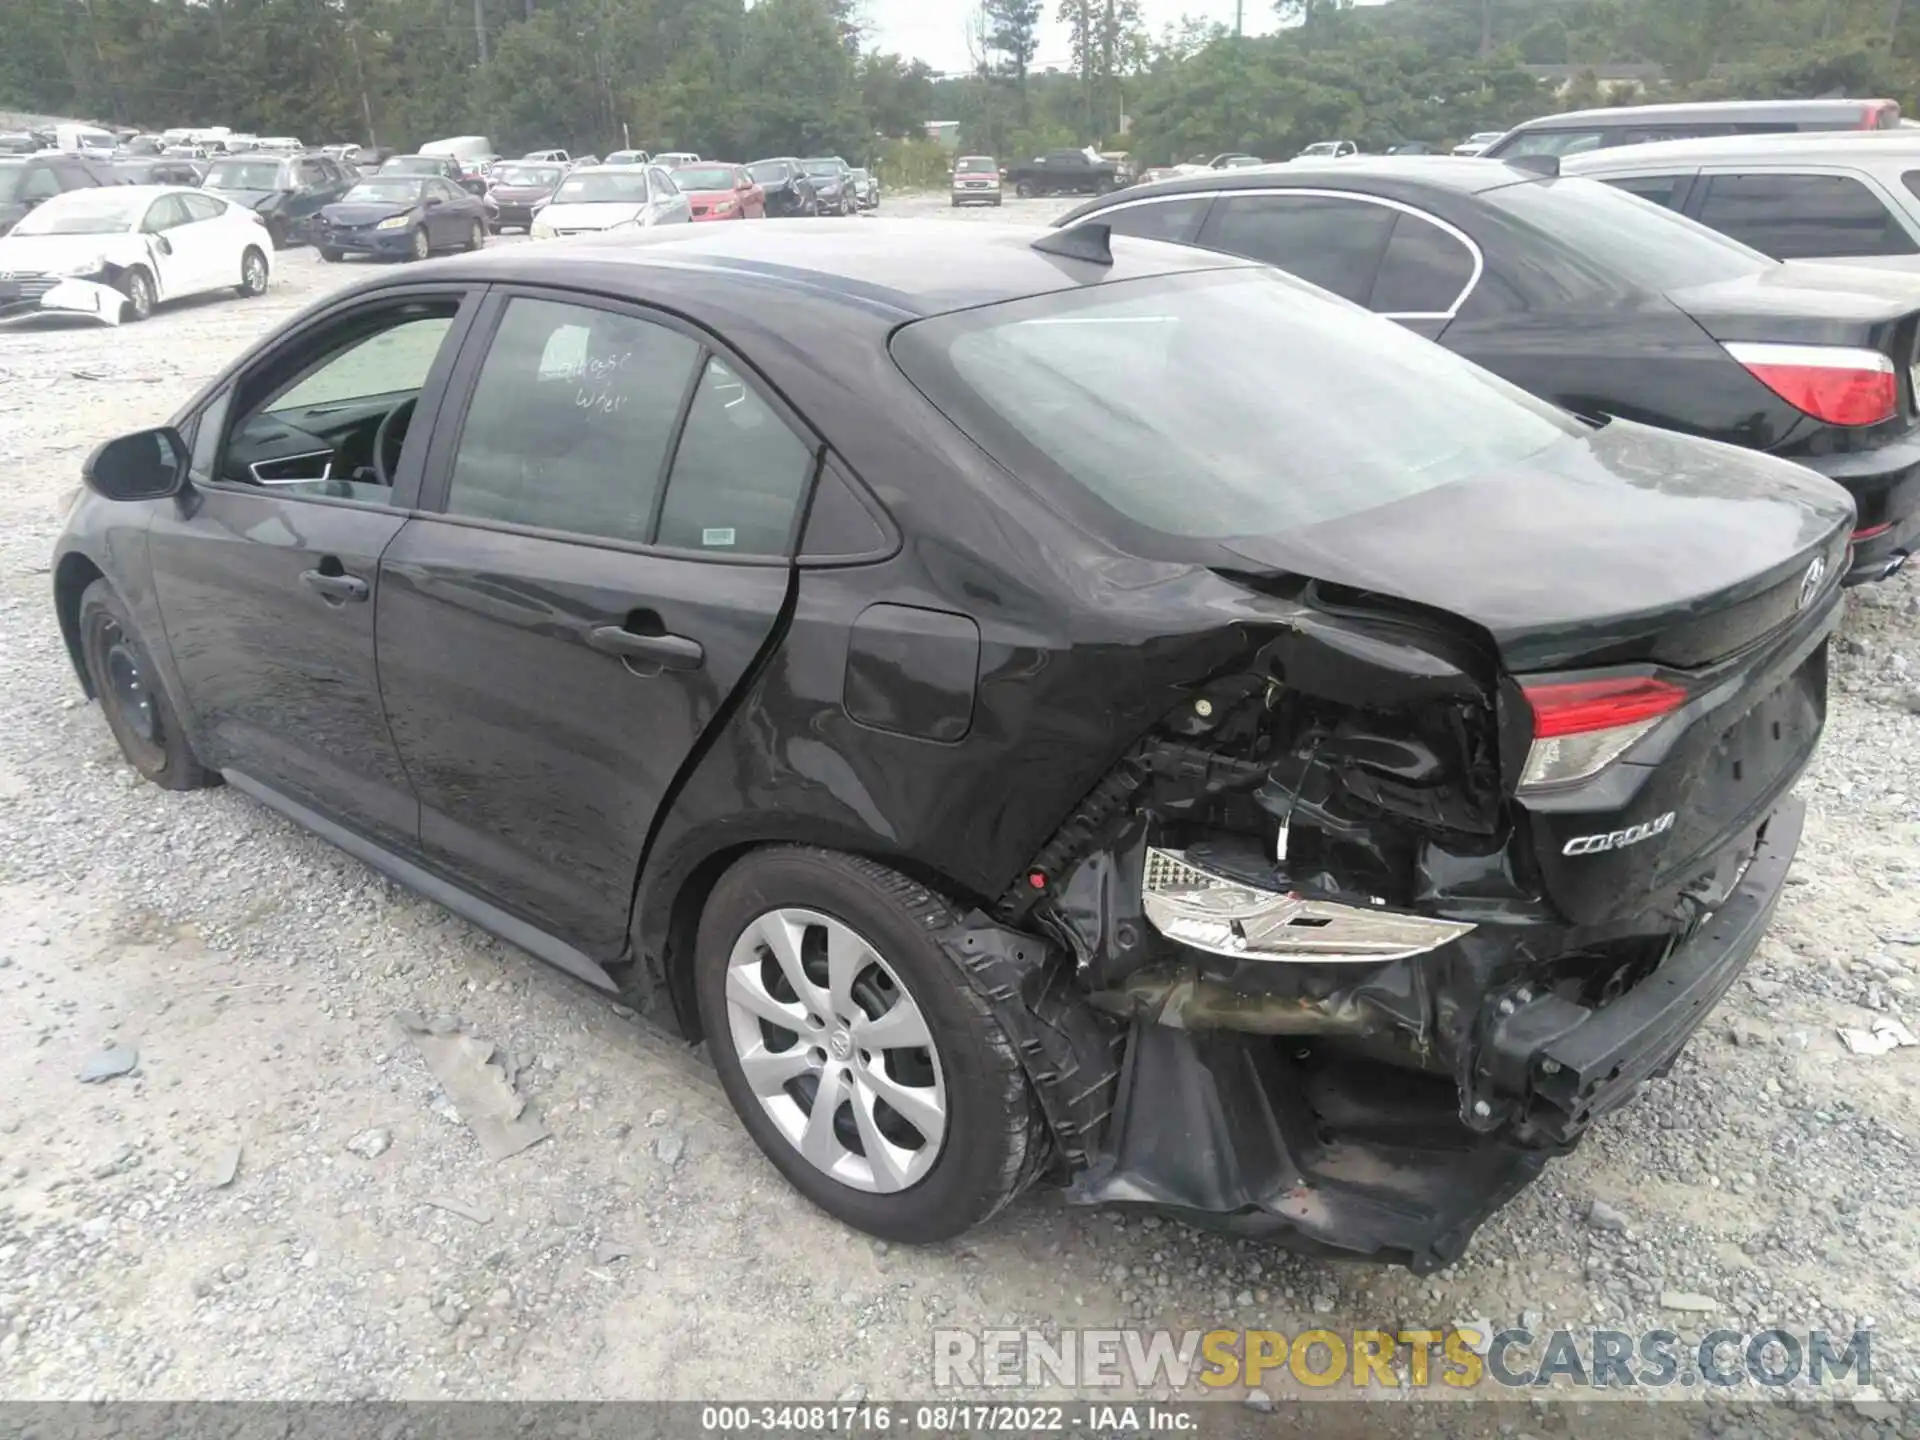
{"x":366,"y":1247}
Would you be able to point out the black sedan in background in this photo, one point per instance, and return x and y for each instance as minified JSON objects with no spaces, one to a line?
{"x":1601,"y":302}
{"x":797,"y":632}
{"x":402,"y":217}
{"x":832,"y":181}
{"x":286,"y":191}
{"x":518,"y":188}
{"x":789,"y":188}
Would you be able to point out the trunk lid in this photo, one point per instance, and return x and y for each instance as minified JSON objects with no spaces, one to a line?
{"x":1636,"y":545}
{"x":1637,"y":553}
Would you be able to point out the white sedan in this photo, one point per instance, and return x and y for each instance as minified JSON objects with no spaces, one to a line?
{"x":612,"y":197}
{"x":113,"y":252}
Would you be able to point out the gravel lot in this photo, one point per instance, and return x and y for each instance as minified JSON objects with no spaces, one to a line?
{"x":645,"y":1250}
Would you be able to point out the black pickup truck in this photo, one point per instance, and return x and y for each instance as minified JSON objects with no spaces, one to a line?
{"x":1064,"y":172}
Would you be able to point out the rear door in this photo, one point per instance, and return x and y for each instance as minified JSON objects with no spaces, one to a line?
{"x":179,"y":268}
{"x":612,"y":552}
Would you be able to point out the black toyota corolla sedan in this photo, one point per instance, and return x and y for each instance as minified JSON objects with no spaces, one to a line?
{"x":1601,"y":302}
{"x":1030,"y":707}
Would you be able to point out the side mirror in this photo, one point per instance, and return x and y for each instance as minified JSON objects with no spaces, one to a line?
{"x":146,"y":465}
{"x":164,"y":245}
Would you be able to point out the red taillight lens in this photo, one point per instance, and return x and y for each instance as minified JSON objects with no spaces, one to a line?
{"x":1840,"y":385}
{"x":1871,"y":532}
{"x":1575,"y":707}
{"x":1582,"y":726}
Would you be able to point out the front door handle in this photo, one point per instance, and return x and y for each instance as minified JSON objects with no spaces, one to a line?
{"x":669,"y":652}
{"x":336,"y":589}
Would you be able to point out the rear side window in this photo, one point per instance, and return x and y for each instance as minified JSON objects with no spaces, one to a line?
{"x":1425,"y":271}
{"x":1188,"y":411}
{"x":738,"y":475}
{"x":1666,"y":191}
{"x":1175,"y":220}
{"x":1336,"y":244}
{"x":1597,"y":225}
{"x":203,"y":207}
{"x":571,"y":420}
{"x":1794,"y":217}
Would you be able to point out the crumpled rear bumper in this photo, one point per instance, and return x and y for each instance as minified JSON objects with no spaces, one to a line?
{"x":1337,"y":1144}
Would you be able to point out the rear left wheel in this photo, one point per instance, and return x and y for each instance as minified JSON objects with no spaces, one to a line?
{"x":858,"y":1057}
{"x":130,"y":694}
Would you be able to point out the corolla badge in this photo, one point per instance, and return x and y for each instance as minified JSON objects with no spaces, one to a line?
{"x":1618,"y":839}
{"x":1810,"y":583}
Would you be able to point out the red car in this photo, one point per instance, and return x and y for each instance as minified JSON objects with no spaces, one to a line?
{"x":719,"y":191}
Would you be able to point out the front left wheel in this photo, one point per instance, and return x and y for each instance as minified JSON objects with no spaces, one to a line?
{"x":419,"y":247}
{"x":862,"y":1062}
{"x":136,"y":706}
{"x":476,"y":236}
{"x":253,"y":274}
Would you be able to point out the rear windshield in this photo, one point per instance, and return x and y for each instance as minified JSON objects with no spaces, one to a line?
{"x":1649,"y":246}
{"x":1212,"y":406}
{"x":704,"y":177}
{"x":244,"y":175}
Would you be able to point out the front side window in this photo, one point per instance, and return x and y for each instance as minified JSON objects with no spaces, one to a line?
{"x":571,"y":420}
{"x":1797,"y":217}
{"x":336,"y":424}
{"x":203,"y":207}
{"x":1333,"y":243}
{"x":1175,"y":220}
{"x":664,"y":184}
{"x":166,"y":213}
{"x":738,"y":475}
{"x":1195,"y":409}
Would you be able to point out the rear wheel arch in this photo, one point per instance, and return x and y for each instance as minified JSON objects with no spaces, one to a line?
{"x":668,"y":912}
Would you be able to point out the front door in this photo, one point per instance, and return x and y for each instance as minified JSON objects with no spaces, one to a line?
{"x":304,"y":471}
{"x":179,"y":267}
{"x":613,"y":553}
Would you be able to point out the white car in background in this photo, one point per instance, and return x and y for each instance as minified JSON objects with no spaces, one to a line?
{"x":612,"y":197}
{"x":114,"y":252}
{"x":1478,"y":141}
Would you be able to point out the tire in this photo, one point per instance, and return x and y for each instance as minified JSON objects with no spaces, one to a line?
{"x":330,"y":255}
{"x":476,"y":236}
{"x":253,"y":274}
{"x":137,"y":285}
{"x":135,"y":703}
{"x":1025,"y":190}
{"x":992,"y":1139}
{"x":277,"y":233}
{"x":494,"y":230}
{"x":419,"y":247}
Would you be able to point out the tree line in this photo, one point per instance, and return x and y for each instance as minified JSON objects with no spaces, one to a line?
{"x":740,"y":79}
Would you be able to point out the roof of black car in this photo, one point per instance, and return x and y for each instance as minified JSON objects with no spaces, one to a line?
{"x":912,"y":267}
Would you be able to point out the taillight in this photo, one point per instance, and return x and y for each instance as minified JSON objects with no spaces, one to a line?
{"x":1582,"y":726}
{"x":1871,"y":532}
{"x":1838,"y":384}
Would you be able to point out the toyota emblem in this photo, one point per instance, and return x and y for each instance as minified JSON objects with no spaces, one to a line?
{"x":1810,"y":583}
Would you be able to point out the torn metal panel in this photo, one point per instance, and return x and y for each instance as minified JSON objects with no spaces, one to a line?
{"x":1225,"y":1131}
{"x":1071,"y":1054}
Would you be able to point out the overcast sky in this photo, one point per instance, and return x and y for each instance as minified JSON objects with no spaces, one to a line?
{"x":936,"y":30}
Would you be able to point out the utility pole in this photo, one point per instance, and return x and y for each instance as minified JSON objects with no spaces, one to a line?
{"x":480,"y":28}
{"x":1239,"y":19}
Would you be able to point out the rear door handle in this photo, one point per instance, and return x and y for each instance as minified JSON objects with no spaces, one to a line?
{"x":669,"y":652}
{"x":339,"y":589}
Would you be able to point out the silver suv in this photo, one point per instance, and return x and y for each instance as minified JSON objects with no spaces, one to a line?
{"x":1852,"y":197}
